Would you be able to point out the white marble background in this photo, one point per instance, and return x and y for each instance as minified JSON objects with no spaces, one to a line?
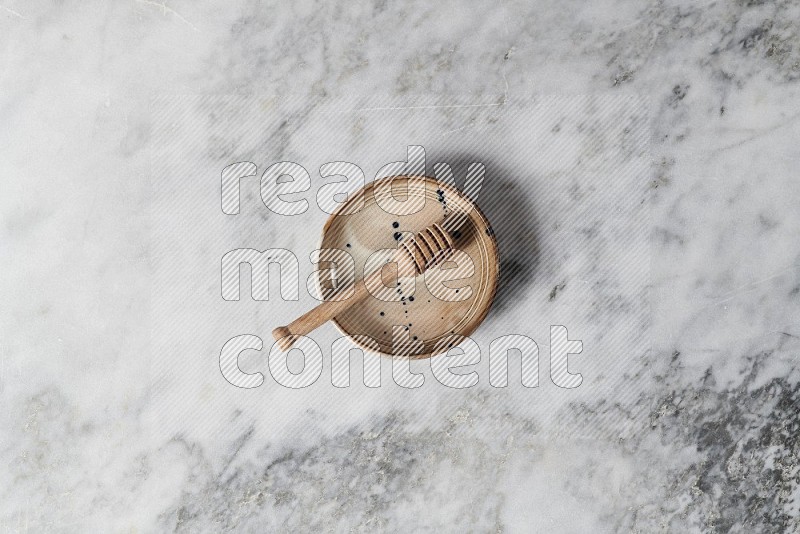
{"x":703,"y":439}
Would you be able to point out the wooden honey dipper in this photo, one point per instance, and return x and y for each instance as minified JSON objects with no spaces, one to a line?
{"x":413,"y":257}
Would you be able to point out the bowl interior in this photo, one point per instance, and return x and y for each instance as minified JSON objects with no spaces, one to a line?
{"x":426,"y":320}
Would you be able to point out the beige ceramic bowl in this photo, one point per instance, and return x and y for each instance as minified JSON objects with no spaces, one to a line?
{"x":361,"y":226}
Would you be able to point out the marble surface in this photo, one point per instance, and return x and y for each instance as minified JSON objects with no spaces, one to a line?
{"x":645,"y":152}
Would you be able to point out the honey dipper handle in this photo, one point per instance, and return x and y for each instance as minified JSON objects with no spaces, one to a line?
{"x":412,"y":258}
{"x":324,"y":312}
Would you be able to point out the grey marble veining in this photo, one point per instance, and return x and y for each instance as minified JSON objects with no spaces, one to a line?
{"x":101,"y":431}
